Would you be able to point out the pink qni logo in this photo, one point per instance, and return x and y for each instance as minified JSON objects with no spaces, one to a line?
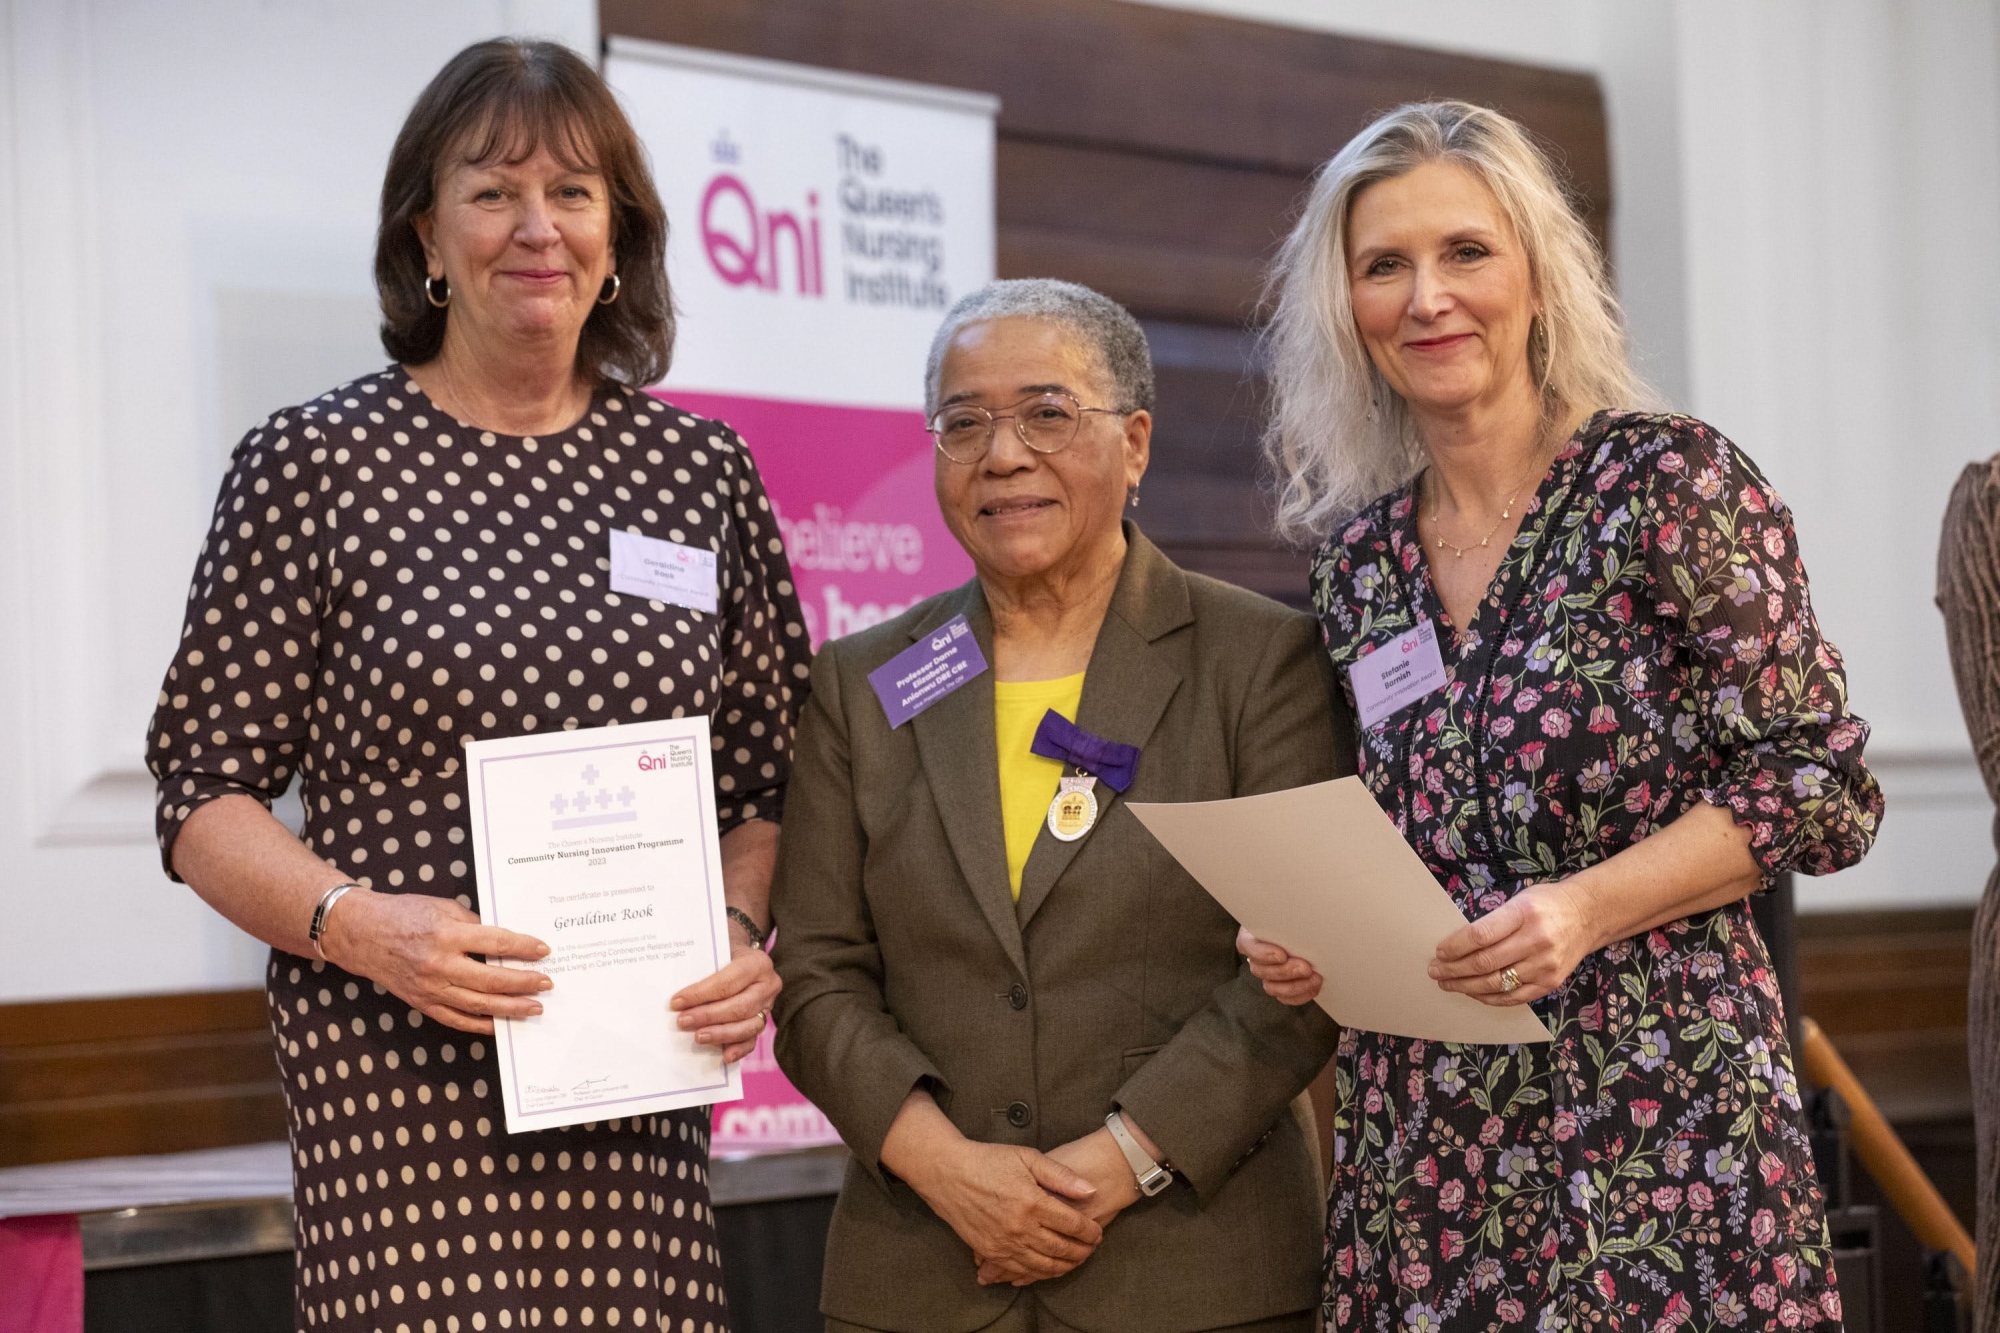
{"x":749,"y":245}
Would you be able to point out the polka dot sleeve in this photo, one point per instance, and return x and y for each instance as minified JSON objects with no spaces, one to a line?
{"x":764,"y":678}
{"x":233,"y":711}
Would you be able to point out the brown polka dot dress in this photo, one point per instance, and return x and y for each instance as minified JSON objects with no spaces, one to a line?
{"x":381,"y":585}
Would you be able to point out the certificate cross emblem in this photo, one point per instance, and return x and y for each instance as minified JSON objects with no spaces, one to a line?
{"x":586,"y":807}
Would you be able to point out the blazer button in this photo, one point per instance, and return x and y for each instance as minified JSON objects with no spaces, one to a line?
{"x":1018,"y":1115}
{"x":1017,"y":996}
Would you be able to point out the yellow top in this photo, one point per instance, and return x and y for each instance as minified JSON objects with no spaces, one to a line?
{"x":1028,"y":782}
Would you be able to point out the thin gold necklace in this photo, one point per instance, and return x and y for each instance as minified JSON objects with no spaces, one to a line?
{"x":1506,"y":512}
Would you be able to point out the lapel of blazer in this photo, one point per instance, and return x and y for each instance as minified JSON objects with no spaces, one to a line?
{"x":955,"y":745}
{"x":1130,"y":682}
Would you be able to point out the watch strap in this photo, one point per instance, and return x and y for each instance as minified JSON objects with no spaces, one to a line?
{"x":1152,"y":1176}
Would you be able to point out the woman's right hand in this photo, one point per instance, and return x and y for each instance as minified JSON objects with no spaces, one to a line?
{"x":1286,"y":976}
{"x":1012,"y":1206}
{"x":420,"y":949}
{"x":1015,"y":1208}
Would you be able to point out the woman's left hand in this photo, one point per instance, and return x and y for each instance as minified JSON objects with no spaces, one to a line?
{"x":730,"y":1008}
{"x":1542,"y":933}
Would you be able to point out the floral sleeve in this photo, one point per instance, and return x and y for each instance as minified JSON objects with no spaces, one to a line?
{"x":1769,"y":703}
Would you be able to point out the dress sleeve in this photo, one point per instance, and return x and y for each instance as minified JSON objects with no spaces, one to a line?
{"x":234,"y":709}
{"x":1968,"y":592}
{"x":767,"y":674}
{"x":1784,"y":750}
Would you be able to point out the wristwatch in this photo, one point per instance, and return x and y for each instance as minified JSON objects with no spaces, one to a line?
{"x":1152,"y":1176}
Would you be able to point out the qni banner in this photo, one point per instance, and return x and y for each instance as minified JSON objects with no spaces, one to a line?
{"x":820,"y":223}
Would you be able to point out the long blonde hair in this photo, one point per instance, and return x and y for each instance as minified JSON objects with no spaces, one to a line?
{"x":1339,"y":436}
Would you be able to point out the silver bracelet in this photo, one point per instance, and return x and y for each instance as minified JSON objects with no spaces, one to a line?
{"x":317,"y":929}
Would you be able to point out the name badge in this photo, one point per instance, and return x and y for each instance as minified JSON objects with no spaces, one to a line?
{"x":927,"y":671}
{"x":663,"y":571}
{"x":1400,"y":672}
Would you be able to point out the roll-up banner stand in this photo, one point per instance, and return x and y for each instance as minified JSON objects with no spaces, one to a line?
{"x":820,"y":223}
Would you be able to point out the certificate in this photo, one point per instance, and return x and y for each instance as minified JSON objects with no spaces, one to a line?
{"x":602,"y":844}
{"x":1321,"y":871}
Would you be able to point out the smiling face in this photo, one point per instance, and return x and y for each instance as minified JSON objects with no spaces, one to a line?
{"x":1025,"y":516}
{"x":1442,"y":293}
{"x":526,"y":247}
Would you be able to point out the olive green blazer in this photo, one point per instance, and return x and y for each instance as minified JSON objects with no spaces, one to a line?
{"x":1114,"y":982}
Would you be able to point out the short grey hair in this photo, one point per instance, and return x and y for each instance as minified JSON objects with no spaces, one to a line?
{"x":1096,"y":320}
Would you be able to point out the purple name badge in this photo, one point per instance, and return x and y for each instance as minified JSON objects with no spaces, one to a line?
{"x":927,"y":671}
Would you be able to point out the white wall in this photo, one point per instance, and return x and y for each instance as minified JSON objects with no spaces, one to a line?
{"x":1807,"y":199}
{"x":187,"y":201}
{"x":1807,"y":202}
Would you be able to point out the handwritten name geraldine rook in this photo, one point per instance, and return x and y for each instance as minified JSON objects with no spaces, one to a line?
{"x":602,"y":918}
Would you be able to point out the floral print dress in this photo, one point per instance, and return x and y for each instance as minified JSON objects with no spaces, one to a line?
{"x":1647,"y":643}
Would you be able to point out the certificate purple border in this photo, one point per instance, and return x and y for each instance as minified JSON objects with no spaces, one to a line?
{"x":485,"y":815}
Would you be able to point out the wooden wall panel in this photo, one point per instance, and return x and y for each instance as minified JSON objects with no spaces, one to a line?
{"x":142,"y":1074}
{"x":1889,"y":988}
{"x":1140,"y":78}
{"x":1172,"y":239}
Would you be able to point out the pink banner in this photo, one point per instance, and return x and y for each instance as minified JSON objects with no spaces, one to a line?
{"x":41,"y":1275}
{"x":852,"y":487}
{"x":852,"y":490}
{"x":773,"y":1115}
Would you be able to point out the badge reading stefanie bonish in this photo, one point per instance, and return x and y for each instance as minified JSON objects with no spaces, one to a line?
{"x":1074,"y":809}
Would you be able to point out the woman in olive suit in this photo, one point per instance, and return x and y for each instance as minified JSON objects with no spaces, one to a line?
{"x":1068,"y":1103}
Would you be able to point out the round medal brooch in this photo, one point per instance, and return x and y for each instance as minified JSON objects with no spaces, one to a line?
{"x":1074,"y":809}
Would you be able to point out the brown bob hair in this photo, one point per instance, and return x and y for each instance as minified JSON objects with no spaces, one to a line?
{"x":500,"y":101}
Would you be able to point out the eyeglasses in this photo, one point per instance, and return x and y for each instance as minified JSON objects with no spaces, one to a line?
{"x":1046,"y":423}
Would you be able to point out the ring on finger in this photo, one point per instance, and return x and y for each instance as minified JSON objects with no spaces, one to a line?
{"x":1510,"y":981}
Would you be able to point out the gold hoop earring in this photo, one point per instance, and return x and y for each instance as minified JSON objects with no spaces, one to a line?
{"x":430,"y":292}
{"x":615,"y":285}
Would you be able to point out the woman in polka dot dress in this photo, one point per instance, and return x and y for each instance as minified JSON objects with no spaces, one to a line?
{"x":419,"y":559}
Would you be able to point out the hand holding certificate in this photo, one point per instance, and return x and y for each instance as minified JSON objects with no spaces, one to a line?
{"x":603,"y":844}
{"x":1322,"y":871}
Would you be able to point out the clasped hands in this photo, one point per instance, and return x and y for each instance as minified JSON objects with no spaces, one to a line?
{"x":1539,"y":936}
{"x":1026,"y":1215}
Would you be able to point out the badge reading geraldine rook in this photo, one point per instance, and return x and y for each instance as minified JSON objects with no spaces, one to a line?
{"x":927,"y":670}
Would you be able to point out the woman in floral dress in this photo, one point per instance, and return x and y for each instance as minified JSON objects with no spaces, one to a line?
{"x":1638,"y":725}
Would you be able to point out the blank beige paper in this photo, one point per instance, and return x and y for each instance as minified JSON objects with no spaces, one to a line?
{"x":1322,"y":871}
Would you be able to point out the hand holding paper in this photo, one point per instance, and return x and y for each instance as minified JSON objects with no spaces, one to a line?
{"x":1321,"y":871}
